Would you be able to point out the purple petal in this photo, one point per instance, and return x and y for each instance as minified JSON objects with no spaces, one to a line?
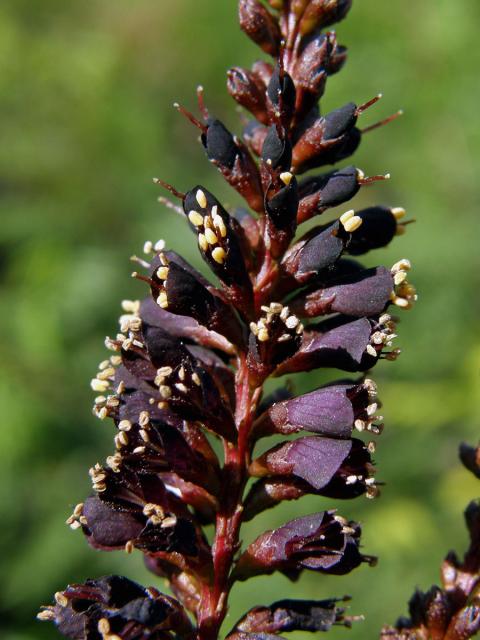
{"x":110,"y":528}
{"x":313,"y":459}
{"x":342,"y":347}
{"x":327,"y":411}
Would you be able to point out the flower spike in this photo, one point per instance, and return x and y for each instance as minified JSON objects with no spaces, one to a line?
{"x":184,"y":383}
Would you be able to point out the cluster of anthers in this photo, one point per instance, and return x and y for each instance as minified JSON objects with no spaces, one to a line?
{"x":191,"y":360}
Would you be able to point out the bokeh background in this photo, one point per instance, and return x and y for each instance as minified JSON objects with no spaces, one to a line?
{"x":86,"y":90}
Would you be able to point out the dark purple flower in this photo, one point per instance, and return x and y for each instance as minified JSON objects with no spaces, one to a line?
{"x":220,"y":242}
{"x":180,"y":291}
{"x":285,"y":616}
{"x":317,"y":461}
{"x":332,"y":189}
{"x":343,"y":343}
{"x":333,"y":411}
{"x":362,"y":294}
{"x":450,"y":612}
{"x":379,"y":227}
{"x":321,"y":542}
{"x":187,"y":376}
{"x":352,"y":479}
{"x":115,"y":607}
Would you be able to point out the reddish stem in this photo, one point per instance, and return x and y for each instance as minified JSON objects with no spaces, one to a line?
{"x":214,"y":604}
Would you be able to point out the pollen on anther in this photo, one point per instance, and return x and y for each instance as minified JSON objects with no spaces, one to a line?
{"x":165,"y":392}
{"x":211,"y":237}
{"x":195,"y":218}
{"x":202,"y":242}
{"x":201,"y":199}
{"x":398,"y":213}
{"x":100,"y":386}
{"x":263,"y":335}
{"x":352,"y":224}
{"x":162,"y":300}
{"x":219,"y":255}
{"x":162,"y":273}
{"x":347,"y":216}
{"x":61,"y":599}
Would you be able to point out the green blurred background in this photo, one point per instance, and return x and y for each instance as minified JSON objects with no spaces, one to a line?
{"x":86,"y":92}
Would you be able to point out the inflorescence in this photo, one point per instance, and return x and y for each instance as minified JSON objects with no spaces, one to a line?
{"x":190,"y":361}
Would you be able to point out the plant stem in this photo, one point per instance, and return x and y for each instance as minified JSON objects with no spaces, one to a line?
{"x":214,"y":604}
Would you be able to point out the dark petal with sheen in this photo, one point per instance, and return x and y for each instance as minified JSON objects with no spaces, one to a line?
{"x":313,"y":459}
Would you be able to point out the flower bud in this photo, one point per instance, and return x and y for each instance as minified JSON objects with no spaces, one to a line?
{"x":359,"y":294}
{"x":320,"y":57}
{"x":329,"y":140}
{"x":282,"y":207}
{"x":316,"y":251}
{"x":260,"y":26}
{"x":379,"y":227}
{"x":332,"y":189}
{"x":281,"y":96}
{"x":219,"y":241}
{"x":322,"y":13}
{"x":248,"y":89}
{"x":277,"y":149}
{"x":470,"y":457}
{"x":319,"y":542}
{"x":234,"y":161}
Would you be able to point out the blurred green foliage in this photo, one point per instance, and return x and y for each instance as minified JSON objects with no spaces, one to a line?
{"x":86,"y":91}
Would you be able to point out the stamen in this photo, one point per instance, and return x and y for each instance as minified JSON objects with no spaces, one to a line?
{"x":195,"y":218}
{"x":201,"y":198}
{"x":162,"y":300}
{"x":219,"y":255}
{"x":362,"y":180}
{"x":382,"y":123}
{"x":202,"y":242}
{"x":162,"y":273}
{"x":367,"y":105}
{"x":353,"y":224}
{"x":211,"y":237}
{"x":398,"y":213}
{"x":169,"y":188}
